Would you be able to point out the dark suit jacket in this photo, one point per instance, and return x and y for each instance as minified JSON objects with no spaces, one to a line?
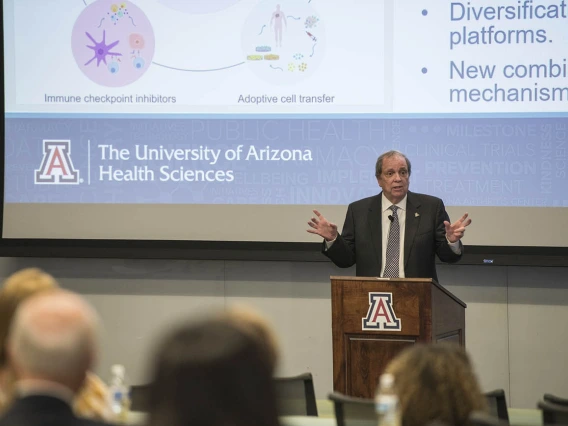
{"x":360,"y":242}
{"x":43,"y":410}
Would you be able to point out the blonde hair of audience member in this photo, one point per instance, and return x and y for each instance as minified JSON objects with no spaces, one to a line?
{"x":92,"y":401}
{"x":436,"y":382}
{"x":18,"y":287}
{"x":213,"y":373}
{"x":252,"y":322}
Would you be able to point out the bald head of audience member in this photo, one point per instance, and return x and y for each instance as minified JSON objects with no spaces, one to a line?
{"x":53,"y":339}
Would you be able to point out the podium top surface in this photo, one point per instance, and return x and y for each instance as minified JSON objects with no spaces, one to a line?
{"x":399,"y":280}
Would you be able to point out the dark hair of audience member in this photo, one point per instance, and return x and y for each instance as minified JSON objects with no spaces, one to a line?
{"x":212,"y":373}
{"x":436,"y":382}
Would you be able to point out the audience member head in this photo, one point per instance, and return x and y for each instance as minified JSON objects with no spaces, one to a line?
{"x":436,"y":383}
{"x":53,"y":339}
{"x":253,"y":323}
{"x":18,"y":287}
{"x":213,"y":373}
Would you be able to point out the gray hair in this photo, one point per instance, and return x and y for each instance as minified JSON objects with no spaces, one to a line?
{"x":389,"y":154}
{"x":54,"y":336}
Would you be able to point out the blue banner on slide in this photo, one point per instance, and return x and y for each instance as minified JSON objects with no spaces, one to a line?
{"x":464,"y":161}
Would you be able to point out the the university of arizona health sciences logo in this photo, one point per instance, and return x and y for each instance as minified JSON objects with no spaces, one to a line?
{"x":381,"y":314}
{"x":56,"y":166}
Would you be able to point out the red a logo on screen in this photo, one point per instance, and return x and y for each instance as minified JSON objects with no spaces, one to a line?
{"x":381,"y":314}
{"x":56,"y":166}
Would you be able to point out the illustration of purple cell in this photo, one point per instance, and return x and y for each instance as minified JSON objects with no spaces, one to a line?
{"x":102,"y":34}
{"x":102,"y":50}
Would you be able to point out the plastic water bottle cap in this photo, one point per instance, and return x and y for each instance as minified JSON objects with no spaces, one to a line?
{"x":118,"y":370}
{"x":386,"y":380}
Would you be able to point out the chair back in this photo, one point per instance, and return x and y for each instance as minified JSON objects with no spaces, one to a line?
{"x":139,"y":398}
{"x":351,"y":411}
{"x":548,"y":397}
{"x":296,"y":395}
{"x":553,"y":414}
{"x":497,"y":404}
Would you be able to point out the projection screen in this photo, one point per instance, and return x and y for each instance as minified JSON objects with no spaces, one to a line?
{"x":232,"y":120}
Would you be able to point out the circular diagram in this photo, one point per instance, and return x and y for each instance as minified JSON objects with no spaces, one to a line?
{"x":283,"y":43}
{"x":198,"y":7}
{"x":113,"y":42}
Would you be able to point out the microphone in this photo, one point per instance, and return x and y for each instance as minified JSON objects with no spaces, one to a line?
{"x":391,"y":218}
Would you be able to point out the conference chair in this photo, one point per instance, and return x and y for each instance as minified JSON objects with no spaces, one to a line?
{"x":351,"y":411}
{"x":548,"y":397}
{"x":296,"y":395}
{"x":553,"y":414}
{"x":139,"y":398}
{"x":497,"y":404}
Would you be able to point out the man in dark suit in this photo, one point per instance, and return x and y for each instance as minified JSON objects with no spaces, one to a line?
{"x":396,"y":233}
{"x":52,"y":345}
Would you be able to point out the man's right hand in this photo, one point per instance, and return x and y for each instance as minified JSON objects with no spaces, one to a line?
{"x":320,"y":226}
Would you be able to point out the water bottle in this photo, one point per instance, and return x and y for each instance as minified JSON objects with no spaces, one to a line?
{"x":119,"y":394}
{"x":386,"y":402}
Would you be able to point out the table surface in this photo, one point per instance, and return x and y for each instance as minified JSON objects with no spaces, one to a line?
{"x":517,"y":417}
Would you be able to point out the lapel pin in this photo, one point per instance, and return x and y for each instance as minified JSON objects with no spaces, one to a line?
{"x":416,"y":214}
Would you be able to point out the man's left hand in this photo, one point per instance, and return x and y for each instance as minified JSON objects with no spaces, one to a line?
{"x":456,"y":230}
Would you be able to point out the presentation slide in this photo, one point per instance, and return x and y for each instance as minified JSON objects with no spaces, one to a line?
{"x":231,"y":120}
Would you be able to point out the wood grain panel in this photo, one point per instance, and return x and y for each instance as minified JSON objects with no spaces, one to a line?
{"x":448,"y":317}
{"x":367,"y":358}
{"x":427,"y":311}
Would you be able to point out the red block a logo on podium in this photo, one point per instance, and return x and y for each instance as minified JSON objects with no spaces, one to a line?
{"x":381,"y":315}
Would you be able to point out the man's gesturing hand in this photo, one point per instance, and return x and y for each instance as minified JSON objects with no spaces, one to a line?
{"x":320,"y":226}
{"x":456,"y":230}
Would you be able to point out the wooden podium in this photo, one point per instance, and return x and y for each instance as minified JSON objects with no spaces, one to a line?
{"x":375,"y":318}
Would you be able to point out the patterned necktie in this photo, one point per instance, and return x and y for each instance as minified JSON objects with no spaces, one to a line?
{"x":393,"y":246}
